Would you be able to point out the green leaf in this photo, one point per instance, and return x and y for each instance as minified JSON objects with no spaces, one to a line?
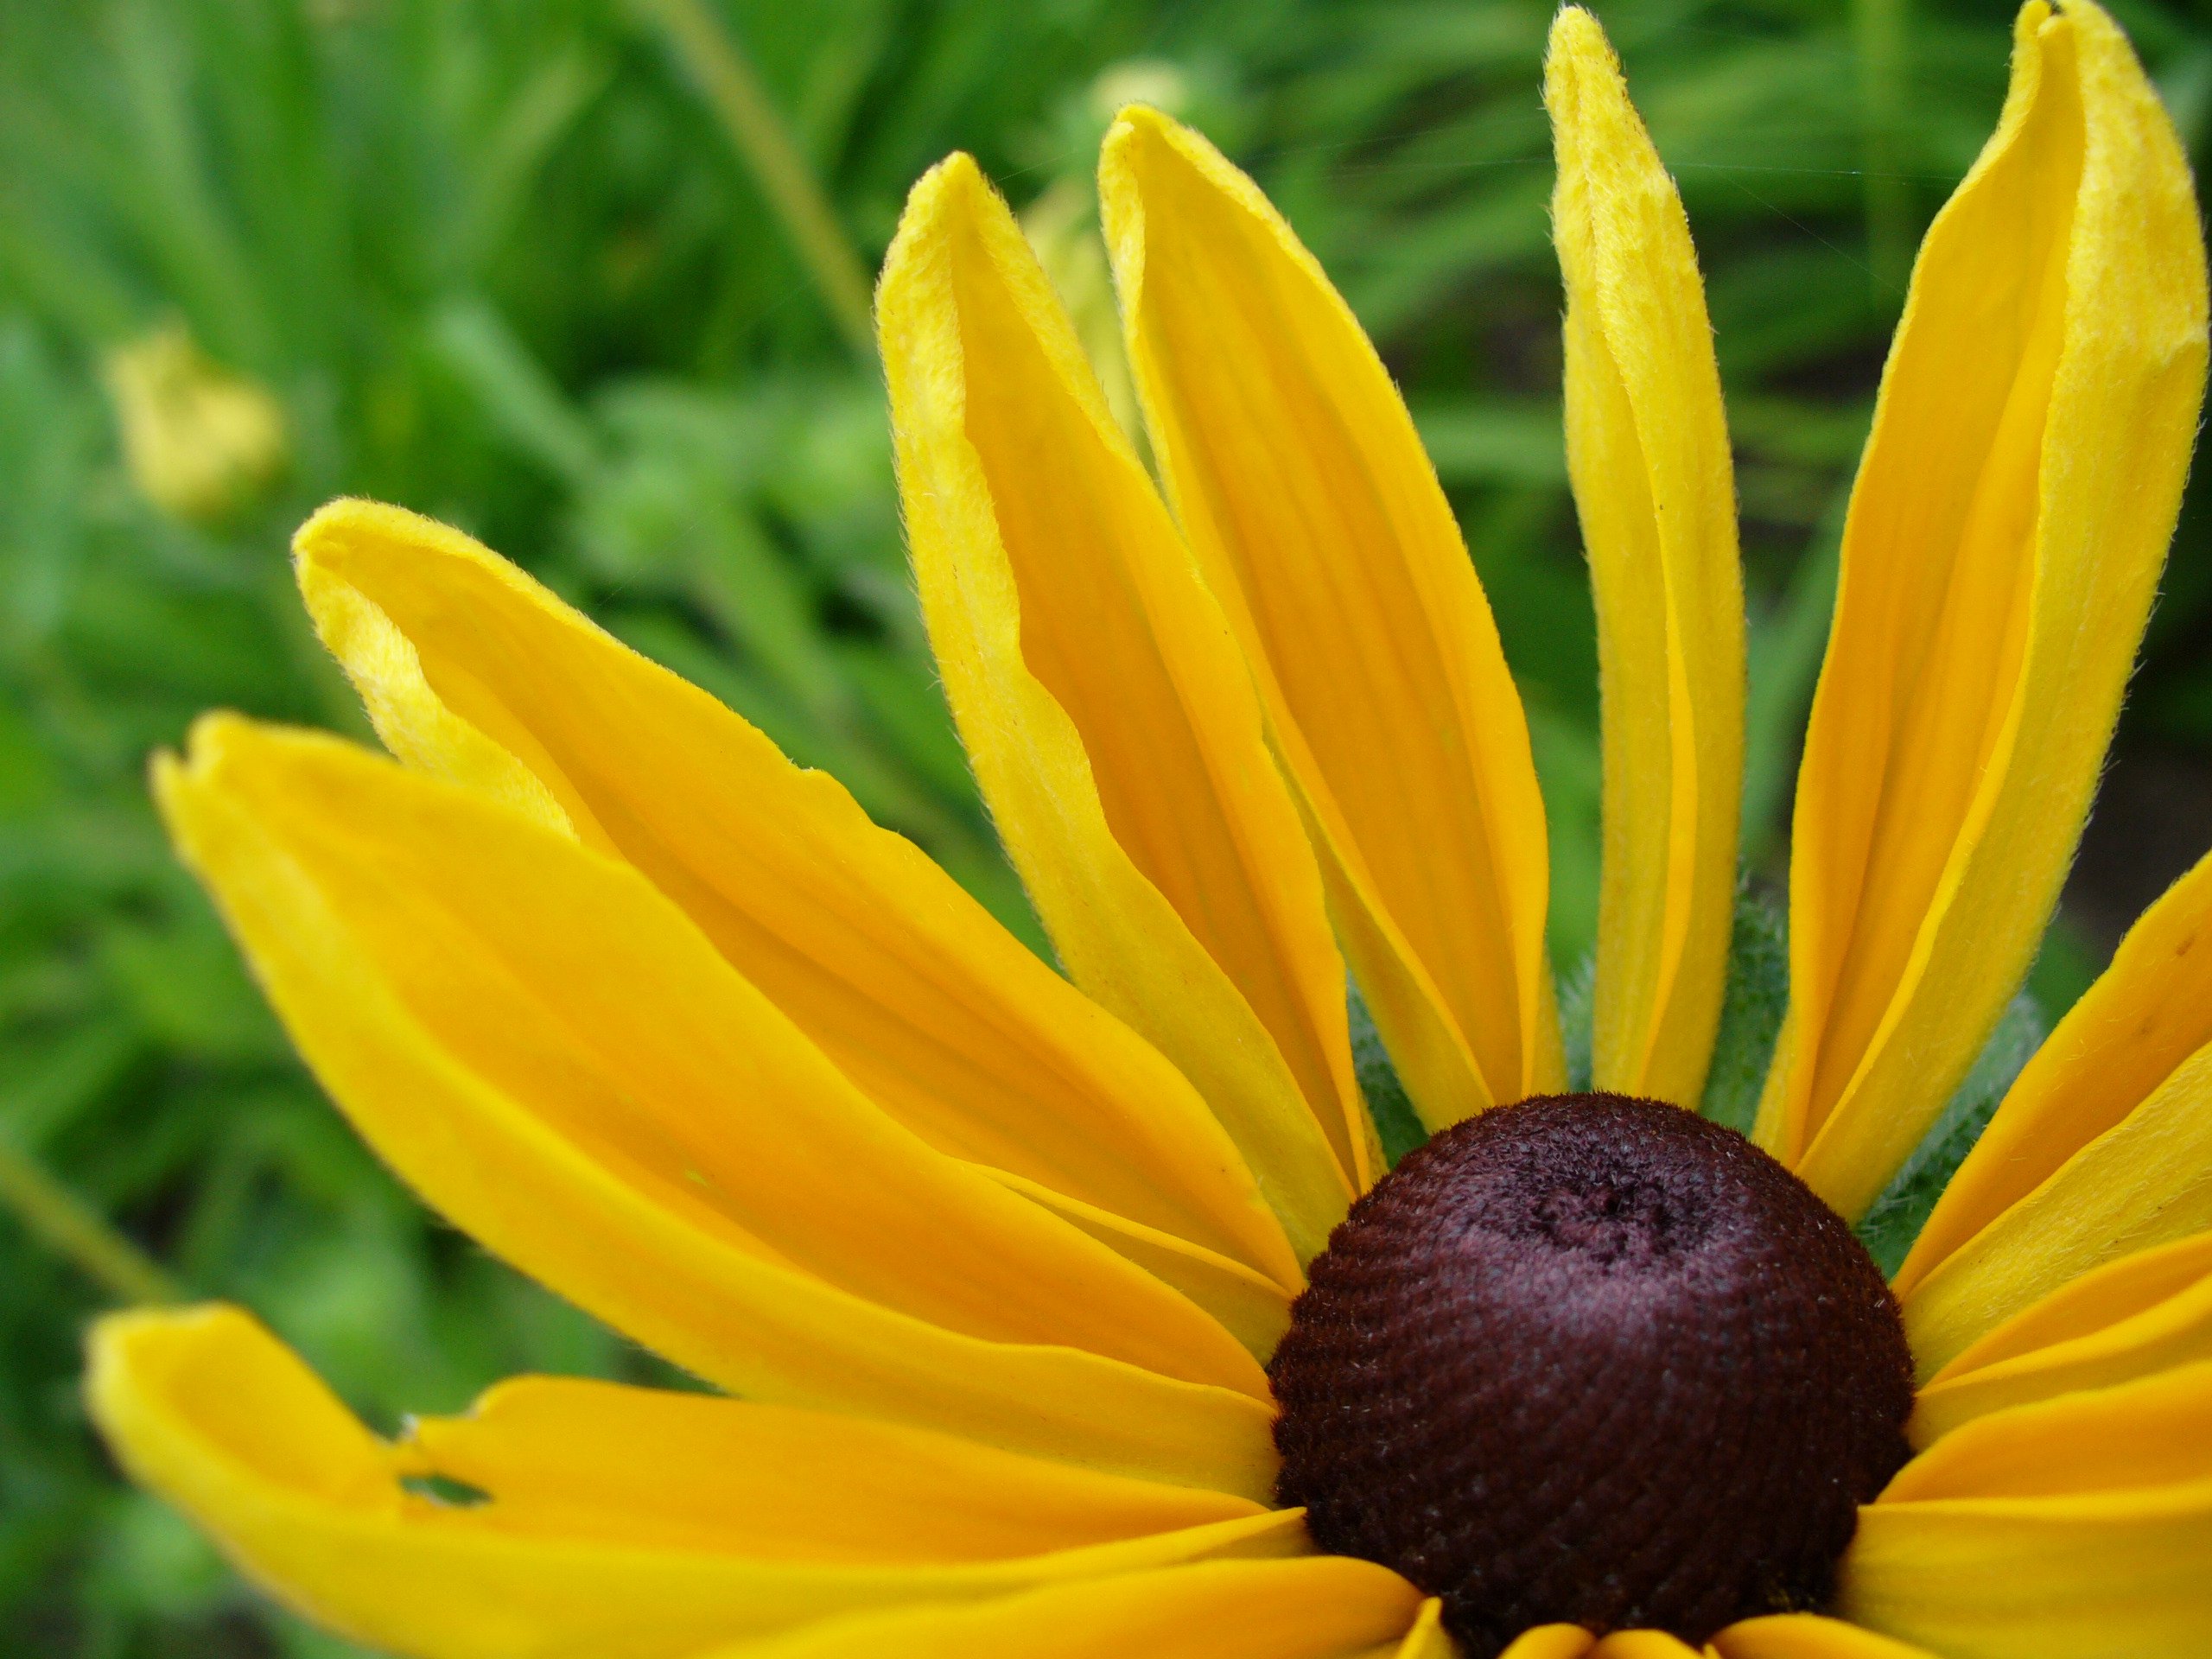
{"x":184,"y":982}
{"x":1474,"y":440}
{"x":153,"y":1561}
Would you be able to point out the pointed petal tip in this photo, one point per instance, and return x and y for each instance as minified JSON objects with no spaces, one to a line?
{"x":1579,"y":58}
{"x":1142,"y":137}
{"x":1577,"y":41}
{"x":957,"y":174}
{"x":1137,"y":130}
{"x":947,"y":186}
{"x":1576,"y":31}
{"x":953,"y":187}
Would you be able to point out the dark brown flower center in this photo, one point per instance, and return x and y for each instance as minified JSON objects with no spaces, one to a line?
{"x":1597,"y":1361}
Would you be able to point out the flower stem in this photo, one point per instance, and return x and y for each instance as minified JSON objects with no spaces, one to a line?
{"x":764,"y":143}
{"x":58,"y":1218}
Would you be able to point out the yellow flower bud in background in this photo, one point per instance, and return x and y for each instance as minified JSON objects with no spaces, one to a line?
{"x":200,"y":441}
{"x":1062,"y":227}
{"x":1163,"y":86}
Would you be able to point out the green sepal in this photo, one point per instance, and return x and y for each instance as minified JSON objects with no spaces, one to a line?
{"x":1577,"y":1007}
{"x":1889,"y":1228}
{"x":1397,"y":1123}
{"x":1751,"y":1011}
{"x":1751,"y":1007}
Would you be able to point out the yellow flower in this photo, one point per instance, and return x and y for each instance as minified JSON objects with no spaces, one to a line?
{"x":994,"y":1260}
{"x":199,"y":441}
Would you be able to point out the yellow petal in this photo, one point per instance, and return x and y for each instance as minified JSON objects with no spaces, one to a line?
{"x":2097,"y":1152}
{"x":1299,"y":478}
{"x":1253,"y":1308}
{"x":1330,"y":1607}
{"x":1427,"y":1639}
{"x":2074,"y":1529}
{"x":1806,"y":1636}
{"x":1641,"y":1644}
{"x":2146,"y":1013}
{"x":2052,"y":1578}
{"x":2153,"y":1432}
{"x":2144,"y":1182}
{"x":545,"y":1048}
{"x":1551,"y":1642}
{"x":569,"y":1457}
{"x":2003,"y":545}
{"x":474,"y":672}
{"x":570,"y":1555}
{"x":1647,"y":448}
{"x":1113,"y":729}
{"x":2128,"y":1318}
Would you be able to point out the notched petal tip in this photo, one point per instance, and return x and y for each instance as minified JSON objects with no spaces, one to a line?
{"x":218,"y":743}
{"x":1138,"y":124}
{"x":201,"y":1403}
{"x":340,"y":532}
{"x":117,"y":1344}
{"x":211,"y":745}
{"x":1135,"y":122}
{"x":165,"y":770}
{"x":177,"y":781}
{"x":345,"y":515}
{"x":330,"y":549}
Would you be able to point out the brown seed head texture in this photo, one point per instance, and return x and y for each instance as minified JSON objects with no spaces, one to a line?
{"x":1593,"y":1360}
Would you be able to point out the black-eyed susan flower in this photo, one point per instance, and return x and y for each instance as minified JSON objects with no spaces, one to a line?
{"x":1042,"y":1325}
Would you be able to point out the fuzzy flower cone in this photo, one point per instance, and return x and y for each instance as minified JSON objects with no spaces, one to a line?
{"x":1065,"y":1315}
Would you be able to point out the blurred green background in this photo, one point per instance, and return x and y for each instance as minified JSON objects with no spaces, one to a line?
{"x":589,"y":279}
